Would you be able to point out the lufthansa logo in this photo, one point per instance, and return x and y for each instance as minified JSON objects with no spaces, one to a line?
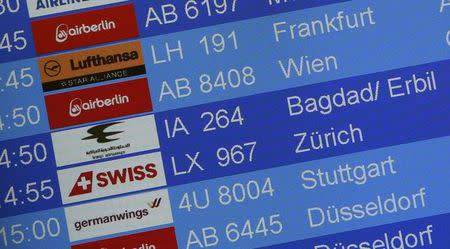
{"x":52,"y":68}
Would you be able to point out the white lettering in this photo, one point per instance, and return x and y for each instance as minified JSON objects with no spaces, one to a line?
{"x":444,"y":3}
{"x":77,"y":105}
{"x":63,"y":31}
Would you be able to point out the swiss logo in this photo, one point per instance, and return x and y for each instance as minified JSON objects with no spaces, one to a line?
{"x":83,"y":184}
{"x":85,"y":181}
{"x":109,"y":178}
{"x":84,"y":29}
{"x":98,"y":103}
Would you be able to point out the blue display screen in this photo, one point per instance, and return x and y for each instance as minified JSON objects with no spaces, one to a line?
{"x":320,"y":124}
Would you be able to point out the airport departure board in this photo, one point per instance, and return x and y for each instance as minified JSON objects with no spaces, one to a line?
{"x":236,"y":124}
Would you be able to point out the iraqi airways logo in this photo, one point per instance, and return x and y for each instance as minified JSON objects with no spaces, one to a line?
{"x":100,"y":135}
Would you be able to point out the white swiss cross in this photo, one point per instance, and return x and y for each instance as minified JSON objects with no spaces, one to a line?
{"x":84,"y":183}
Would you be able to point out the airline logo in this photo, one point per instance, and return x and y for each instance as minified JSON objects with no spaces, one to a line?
{"x":112,"y":178}
{"x":64,"y":31}
{"x":99,"y":134}
{"x":77,"y":105}
{"x":84,"y":29}
{"x":52,"y":68}
{"x":105,"y":140}
{"x":83,"y":184}
{"x":119,"y":215}
{"x":156,"y":239}
{"x":98,"y":103}
{"x":47,"y":7}
{"x":91,"y":66}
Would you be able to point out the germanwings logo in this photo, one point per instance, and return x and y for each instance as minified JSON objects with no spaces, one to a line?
{"x":155,"y":204}
{"x":89,"y":182}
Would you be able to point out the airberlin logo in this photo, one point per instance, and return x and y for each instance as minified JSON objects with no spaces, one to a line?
{"x":77,"y":105}
{"x":87,"y":181}
{"x":64,"y":31}
{"x":98,"y":103}
{"x":85,"y":28}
